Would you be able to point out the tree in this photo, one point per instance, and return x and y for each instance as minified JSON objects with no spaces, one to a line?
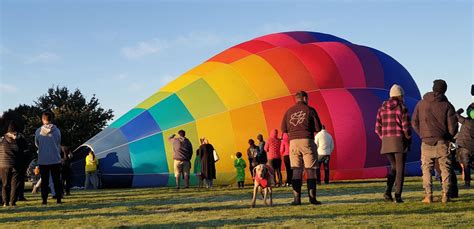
{"x":77,"y":118}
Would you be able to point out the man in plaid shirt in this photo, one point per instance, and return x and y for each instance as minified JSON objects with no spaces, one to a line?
{"x":393,"y":128}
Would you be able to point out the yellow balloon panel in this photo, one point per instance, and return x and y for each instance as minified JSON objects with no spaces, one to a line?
{"x":191,"y":134}
{"x":218,"y":130}
{"x":247,"y":123}
{"x":205,"y":68}
{"x":262,"y":77}
{"x":180,"y":82}
{"x":232,"y":89}
{"x":154,"y":99}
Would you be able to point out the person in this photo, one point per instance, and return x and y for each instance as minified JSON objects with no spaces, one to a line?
{"x":11,"y":147}
{"x":48,"y":141}
{"x":91,"y":171}
{"x":465,"y":142}
{"x":325,"y":144}
{"x":272,"y":147}
{"x":393,"y":128}
{"x":285,"y":152}
{"x":33,"y":174}
{"x":262,"y":154}
{"x":434,"y":120}
{"x":198,"y":166}
{"x":182,"y":154}
{"x":301,"y":122}
{"x":206,"y":151}
{"x":23,"y":159}
{"x":66,"y":156}
{"x":240,"y":166}
{"x":252,"y":153}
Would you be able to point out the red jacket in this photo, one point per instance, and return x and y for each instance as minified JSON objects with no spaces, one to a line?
{"x":272,"y":146}
{"x":285,"y":145}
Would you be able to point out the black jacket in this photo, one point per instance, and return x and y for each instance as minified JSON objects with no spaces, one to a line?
{"x":465,"y":138}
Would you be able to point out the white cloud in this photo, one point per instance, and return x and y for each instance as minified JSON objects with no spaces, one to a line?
{"x":43,"y":58}
{"x":158,"y":45}
{"x":8,"y":88}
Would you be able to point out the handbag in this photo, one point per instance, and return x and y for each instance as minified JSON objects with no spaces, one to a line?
{"x":216,"y":156}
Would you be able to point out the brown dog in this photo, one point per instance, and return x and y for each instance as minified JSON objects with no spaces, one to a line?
{"x":263,"y":180}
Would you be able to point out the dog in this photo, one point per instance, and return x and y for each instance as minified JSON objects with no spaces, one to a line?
{"x":263,"y":180}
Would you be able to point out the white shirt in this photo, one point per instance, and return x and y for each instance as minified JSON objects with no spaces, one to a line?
{"x":324,"y":142}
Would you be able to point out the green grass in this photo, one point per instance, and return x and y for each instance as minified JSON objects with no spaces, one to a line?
{"x":354,"y":203}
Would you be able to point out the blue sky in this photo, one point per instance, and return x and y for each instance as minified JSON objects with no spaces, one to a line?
{"x":124,"y":51}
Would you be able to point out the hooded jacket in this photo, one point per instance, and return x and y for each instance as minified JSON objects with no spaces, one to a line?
{"x":465,"y":138}
{"x":272,"y":146}
{"x":434,"y":119}
{"x":393,"y":120}
{"x":48,"y":141}
{"x":285,"y":145}
{"x":301,"y":122}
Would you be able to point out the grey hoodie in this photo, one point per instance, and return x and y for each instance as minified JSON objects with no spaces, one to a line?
{"x":48,"y":141}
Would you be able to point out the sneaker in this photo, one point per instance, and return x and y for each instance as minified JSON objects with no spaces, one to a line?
{"x":315,"y":202}
{"x":427,"y":200}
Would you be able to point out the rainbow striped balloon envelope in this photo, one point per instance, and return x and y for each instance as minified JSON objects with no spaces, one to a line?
{"x":244,"y":91}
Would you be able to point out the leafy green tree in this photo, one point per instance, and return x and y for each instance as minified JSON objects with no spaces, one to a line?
{"x":78,"y":118}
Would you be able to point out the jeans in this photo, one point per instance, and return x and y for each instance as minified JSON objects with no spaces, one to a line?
{"x":55,"y":171}
{"x":323,"y":160}
{"x":93,"y":179}
{"x":397,"y":172}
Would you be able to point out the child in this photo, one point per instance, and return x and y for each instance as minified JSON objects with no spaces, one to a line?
{"x":91,"y":171}
{"x":240,"y":165}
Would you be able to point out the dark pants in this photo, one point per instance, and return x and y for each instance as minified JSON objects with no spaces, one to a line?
{"x":66,"y":178}
{"x":465,"y":159}
{"x":251,"y":166}
{"x":397,"y":172}
{"x":21,"y":183}
{"x":323,"y":160}
{"x":241,"y":184}
{"x":55,"y":171}
{"x":9,"y":185}
{"x":289,"y":172}
{"x":276,"y":165}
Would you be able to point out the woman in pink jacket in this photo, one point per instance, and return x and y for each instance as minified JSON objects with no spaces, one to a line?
{"x":285,"y":152}
{"x":272,"y":147}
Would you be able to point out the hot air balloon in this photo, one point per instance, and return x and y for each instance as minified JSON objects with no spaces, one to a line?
{"x":244,"y":91}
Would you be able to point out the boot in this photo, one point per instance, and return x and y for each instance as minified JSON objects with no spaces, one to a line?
{"x":398,"y":199}
{"x":428,"y":199}
{"x":388,"y":197}
{"x":296,"y":184}
{"x":311,"y":183}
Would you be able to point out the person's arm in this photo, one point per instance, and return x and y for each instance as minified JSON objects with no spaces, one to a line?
{"x":171,"y":138}
{"x":284,"y":127}
{"x":266,"y":147}
{"x":461,"y":119}
{"x":331,"y":143}
{"x":317,"y":121}
{"x":378,"y":124}
{"x":406,"y":123}
{"x":415,"y":121}
{"x":36,"y":139}
{"x":58,"y":137}
{"x":452,"y":121}
{"x":244,"y":164}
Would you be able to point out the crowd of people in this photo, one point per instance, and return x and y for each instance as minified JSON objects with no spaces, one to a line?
{"x":305,"y":146}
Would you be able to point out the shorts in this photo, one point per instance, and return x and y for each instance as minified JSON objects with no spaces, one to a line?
{"x":181,"y":167}
{"x":303,"y":154}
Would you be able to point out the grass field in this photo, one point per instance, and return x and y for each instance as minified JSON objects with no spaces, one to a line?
{"x":355,"y":203}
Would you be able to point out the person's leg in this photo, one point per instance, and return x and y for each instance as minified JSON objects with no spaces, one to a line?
{"x":95,"y":180}
{"x":58,"y":187}
{"x":390,"y":177}
{"x":187,"y":170}
{"x":87,"y":180}
{"x":464,"y":156}
{"x":14,"y":184}
{"x":272,"y":164}
{"x":444,"y":159}
{"x":310,"y":159}
{"x":4,"y":174}
{"x":427,"y":163}
{"x":44,"y":172}
{"x":278,"y":170}
{"x":296,"y":161}
{"x":318,"y":170}
{"x":21,"y":184}
{"x":399,"y":176}
{"x":177,"y":172}
{"x":326,"y":169}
